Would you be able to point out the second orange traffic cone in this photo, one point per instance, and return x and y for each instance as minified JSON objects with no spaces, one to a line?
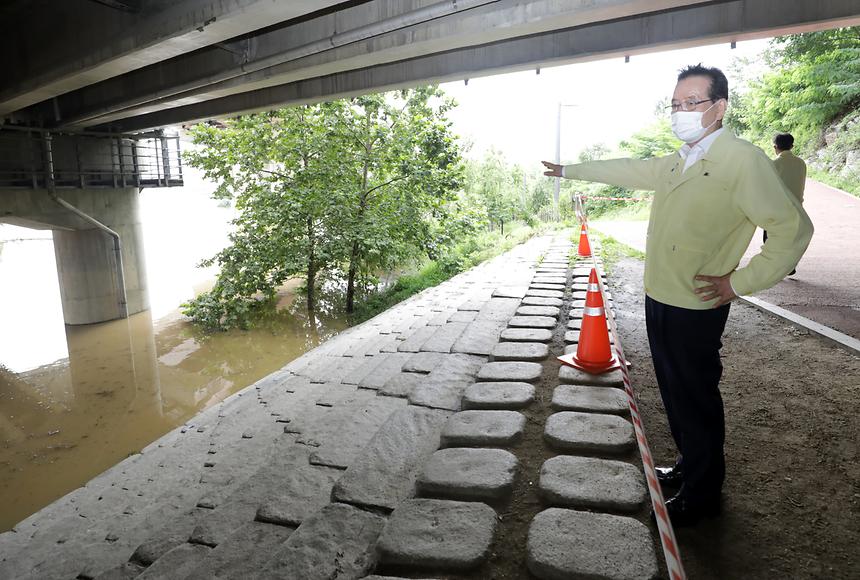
{"x":593,"y":353}
{"x":584,"y":250}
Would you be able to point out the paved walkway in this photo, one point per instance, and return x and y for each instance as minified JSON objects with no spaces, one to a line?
{"x":439,"y":438}
{"x":826,"y":288}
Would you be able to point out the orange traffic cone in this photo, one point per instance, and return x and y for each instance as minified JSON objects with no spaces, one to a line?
{"x":584,"y":247}
{"x":593,"y":353}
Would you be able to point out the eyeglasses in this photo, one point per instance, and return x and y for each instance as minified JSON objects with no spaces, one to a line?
{"x":688,"y":105}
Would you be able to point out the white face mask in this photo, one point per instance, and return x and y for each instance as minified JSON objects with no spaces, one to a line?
{"x":687,"y":125}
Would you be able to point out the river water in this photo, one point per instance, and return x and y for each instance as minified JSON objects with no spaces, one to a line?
{"x":75,"y":400}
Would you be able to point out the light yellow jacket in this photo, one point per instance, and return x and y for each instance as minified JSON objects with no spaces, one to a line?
{"x":702,"y":219}
{"x":792,"y":170}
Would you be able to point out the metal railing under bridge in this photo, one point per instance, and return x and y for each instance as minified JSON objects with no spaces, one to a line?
{"x":33,"y":158}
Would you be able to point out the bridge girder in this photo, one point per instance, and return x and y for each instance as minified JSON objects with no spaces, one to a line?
{"x":360,"y":47}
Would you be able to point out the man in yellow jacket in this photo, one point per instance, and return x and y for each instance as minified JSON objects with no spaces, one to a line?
{"x":708,"y":199}
{"x":790,"y":168}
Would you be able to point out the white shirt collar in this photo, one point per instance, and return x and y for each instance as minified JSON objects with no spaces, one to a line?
{"x":702,"y":146}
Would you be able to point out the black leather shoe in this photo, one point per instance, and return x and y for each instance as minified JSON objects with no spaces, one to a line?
{"x":670,"y":476}
{"x":684,"y":513}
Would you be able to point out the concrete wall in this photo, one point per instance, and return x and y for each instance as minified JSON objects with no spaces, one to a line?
{"x":86,"y":263}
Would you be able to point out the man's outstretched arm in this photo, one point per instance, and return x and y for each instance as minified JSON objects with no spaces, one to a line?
{"x":631,"y":173}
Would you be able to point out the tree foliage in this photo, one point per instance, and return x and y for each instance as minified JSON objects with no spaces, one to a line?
{"x":654,"y":140}
{"x":814,"y":79}
{"x":346,"y":188}
{"x":405,"y":168}
{"x":491,"y":184}
{"x":500,"y":192}
{"x":278,"y":169}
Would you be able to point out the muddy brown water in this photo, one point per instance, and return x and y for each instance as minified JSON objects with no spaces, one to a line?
{"x":76,"y":400}
{"x":123,"y":385}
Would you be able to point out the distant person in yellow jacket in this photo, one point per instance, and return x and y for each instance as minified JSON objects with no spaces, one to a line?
{"x":790,"y":168}
{"x":708,"y":199}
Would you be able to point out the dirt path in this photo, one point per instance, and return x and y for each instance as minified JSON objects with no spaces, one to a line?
{"x":826,"y":287}
{"x":791,"y":504}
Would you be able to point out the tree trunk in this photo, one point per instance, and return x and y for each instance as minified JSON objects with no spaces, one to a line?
{"x":312,"y":267}
{"x":354,"y":254}
{"x":350,"y":281}
{"x":502,"y":224}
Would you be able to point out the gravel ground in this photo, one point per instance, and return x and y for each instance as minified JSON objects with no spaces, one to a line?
{"x":791,"y":503}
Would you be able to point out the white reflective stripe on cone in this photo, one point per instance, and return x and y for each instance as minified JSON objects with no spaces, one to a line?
{"x":593,"y":311}
{"x":593,"y":288}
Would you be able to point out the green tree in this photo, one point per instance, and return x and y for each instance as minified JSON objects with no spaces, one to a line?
{"x":279,"y":169}
{"x":350,"y":188}
{"x":497,"y":188}
{"x":814,"y":80}
{"x":541,"y":192}
{"x":594,"y":152}
{"x":655,"y":140}
{"x":404,"y":164}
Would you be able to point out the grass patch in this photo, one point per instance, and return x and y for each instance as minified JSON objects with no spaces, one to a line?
{"x":852,"y":186}
{"x":638,"y":211}
{"x":431,"y":274}
{"x":460,"y":258}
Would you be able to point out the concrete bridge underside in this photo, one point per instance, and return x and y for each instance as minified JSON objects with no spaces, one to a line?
{"x":155,"y":63}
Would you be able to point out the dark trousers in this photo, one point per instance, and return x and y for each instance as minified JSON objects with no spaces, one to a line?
{"x":685,"y":347}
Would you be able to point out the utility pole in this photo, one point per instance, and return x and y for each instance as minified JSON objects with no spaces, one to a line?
{"x":558,"y":149}
{"x":557,"y":153}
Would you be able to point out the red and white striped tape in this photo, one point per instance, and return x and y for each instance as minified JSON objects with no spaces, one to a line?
{"x":583,"y":196}
{"x":671,"y":553}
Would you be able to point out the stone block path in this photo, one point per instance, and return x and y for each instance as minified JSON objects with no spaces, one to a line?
{"x":440,"y":439}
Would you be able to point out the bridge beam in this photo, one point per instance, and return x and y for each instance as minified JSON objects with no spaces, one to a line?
{"x":53,"y":57}
{"x":689,"y":26}
{"x":370,"y":33}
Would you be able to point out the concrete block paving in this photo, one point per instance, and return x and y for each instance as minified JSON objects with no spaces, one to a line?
{"x":588,"y":482}
{"x":565,"y":544}
{"x":589,"y":433}
{"x":510,"y":371}
{"x":438,"y":534}
{"x":572,"y":376}
{"x":542,"y":301}
{"x":545,"y":293}
{"x":469,"y":474}
{"x":483,"y":428}
{"x":589,"y":399}
{"x":526,"y":335}
{"x":532,"y":322}
{"x":520,"y":351}
{"x":501,"y":395}
{"x":552,"y":311}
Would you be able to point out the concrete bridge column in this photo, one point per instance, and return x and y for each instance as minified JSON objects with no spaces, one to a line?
{"x":90,"y":285}
{"x":86,"y":260}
